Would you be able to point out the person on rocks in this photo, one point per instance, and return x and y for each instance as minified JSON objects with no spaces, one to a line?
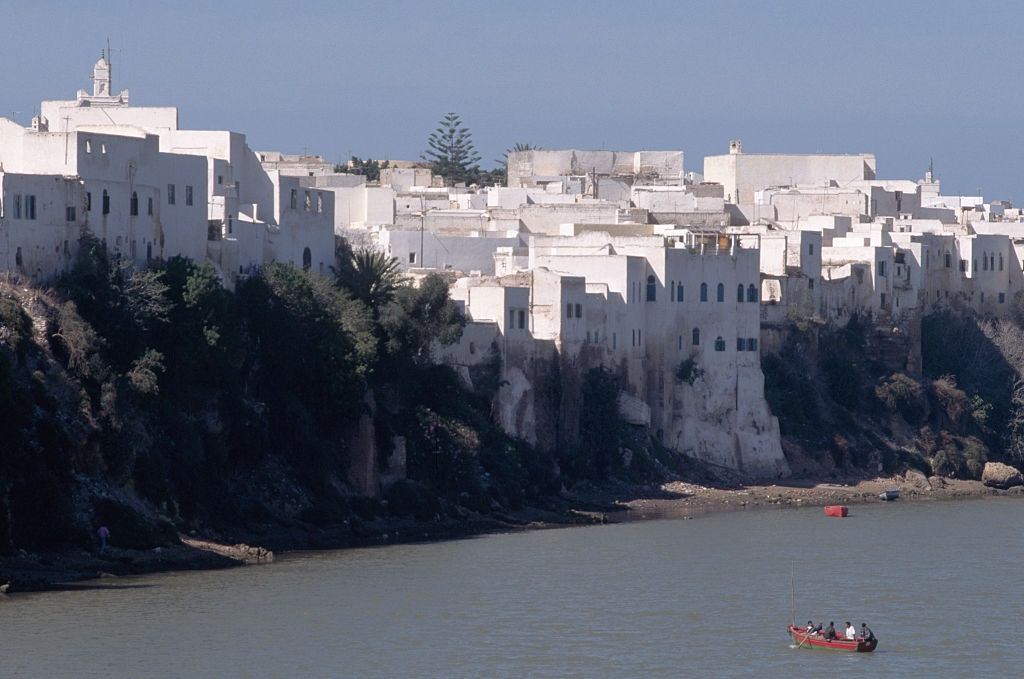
{"x":830,"y":633}
{"x":104,"y":534}
{"x":865,"y":632}
{"x":851,"y":632}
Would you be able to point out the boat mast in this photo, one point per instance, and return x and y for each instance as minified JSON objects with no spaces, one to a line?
{"x":792,"y":593}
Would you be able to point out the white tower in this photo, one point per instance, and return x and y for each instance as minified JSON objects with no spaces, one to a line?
{"x":101,"y":77}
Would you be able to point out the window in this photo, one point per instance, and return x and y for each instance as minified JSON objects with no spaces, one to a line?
{"x":992,"y":262}
{"x":319,"y":201}
{"x":106,"y":202}
{"x":640,"y":337}
{"x":1000,"y":261}
{"x":88,"y":201}
{"x":17,"y":258}
{"x":948,"y":261}
{"x":720,"y":294}
{"x":170,"y":194}
{"x":883,"y":300}
{"x":741,"y":344}
{"x":579,"y":311}
{"x":17,"y":206}
{"x":568,"y":310}
{"x":680,"y":347}
{"x":294,"y":202}
{"x":307,"y":202}
{"x":752,"y":291}
{"x":149,"y":253}
{"x":810,"y":248}
{"x":103,"y":149}
{"x":69,"y":213}
{"x":679,"y":292}
{"x":719,"y":344}
{"x":30,"y":207}
{"x":220,"y":179}
{"x":634,"y":337}
{"x":188,"y":194}
{"x":983,"y":298}
{"x":652,"y":289}
{"x":751,"y":344}
{"x":881,"y":268}
{"x":739,"y":293}
{"x":522,"y":319}
{"x":615,"y":341}
{"x":412,"y":257}
{"x":134,"y":207}
{"x":231,"y":224}
{"x":472,"y":348}
{"x":703,"y":292}
{"x":88,"y":146}
{"x":307,"y":259}
{"x":149,"y":206}
{"x":511,"y":318}
{"x":672,"y":291}
{"x":1002,"y":297}
{"x":696,"y":337}
{"x":963,"y":265}
{"x":975,"y":267}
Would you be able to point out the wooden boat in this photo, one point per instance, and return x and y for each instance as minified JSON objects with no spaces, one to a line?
{"x":836,"y":510}
{"x":818,"y":642}
{"x":889,"y":495}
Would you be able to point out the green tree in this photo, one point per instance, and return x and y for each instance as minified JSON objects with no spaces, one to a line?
{"x":451,"y":153}
{"x":369,"y":275}
{"x":369,"y":168}
{"x":417,"y":318}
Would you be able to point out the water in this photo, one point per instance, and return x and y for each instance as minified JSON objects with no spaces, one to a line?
{"x":940,"y":584}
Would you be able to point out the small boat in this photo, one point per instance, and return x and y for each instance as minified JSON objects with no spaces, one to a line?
{"x":819,"y":642}
{"x":889,"y":495}
{"x":836,"y":510}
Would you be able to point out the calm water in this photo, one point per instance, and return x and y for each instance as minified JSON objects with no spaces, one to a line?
{"x":940,"y":584}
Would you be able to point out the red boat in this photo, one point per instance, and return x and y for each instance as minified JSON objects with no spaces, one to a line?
{"x":836,"y":510}
{"x":818,"y":641}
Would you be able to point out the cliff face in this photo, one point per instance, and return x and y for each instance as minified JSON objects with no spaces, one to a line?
{"x":939,"y":395}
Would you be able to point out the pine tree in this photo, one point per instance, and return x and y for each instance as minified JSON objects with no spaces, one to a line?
{"x":451,"y":153}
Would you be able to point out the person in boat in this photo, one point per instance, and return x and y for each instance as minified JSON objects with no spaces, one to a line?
{"x":810,"y":627}
{"x":830,"y":633}
{"x":851,"y":632}
{"x":865,"y":632}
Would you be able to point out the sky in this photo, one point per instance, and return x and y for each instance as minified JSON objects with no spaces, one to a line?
{"x":907,"y":81}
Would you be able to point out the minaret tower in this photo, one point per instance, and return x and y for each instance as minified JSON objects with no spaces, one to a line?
{"x":101,"y":77}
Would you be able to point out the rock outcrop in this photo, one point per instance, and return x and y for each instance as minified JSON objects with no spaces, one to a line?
{"x":1002,"y":476}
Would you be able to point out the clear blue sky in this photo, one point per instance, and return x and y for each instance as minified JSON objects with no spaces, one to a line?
{"x":905,"y":81}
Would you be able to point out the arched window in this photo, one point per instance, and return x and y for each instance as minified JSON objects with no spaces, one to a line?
{"x":679,"y":292}
{"x":739,"y":293}
{"x":135,"y":204}
{"x":721,"y":292}
{"x":1000,"y":261}
{"x":984,"y":262}
{"x":719,"y":343}
{"x":307,"y":259}
{"x":703,"y":292}
{"x":106,"y":202}
{"x":652,"y":289}
{"x":696,"y":337}
{"x":752,"y":291}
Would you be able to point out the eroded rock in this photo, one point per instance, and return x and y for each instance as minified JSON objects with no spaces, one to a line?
{"x":1002,"y":476}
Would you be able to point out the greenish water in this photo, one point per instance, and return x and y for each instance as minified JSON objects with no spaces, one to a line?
{"x":940,"y":584}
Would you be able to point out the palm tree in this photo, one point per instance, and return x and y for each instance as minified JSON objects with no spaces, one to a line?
{"x":369,"y":275}
{"x":519,"y":146}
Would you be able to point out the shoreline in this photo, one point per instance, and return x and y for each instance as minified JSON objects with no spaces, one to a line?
{"x":84,"y":570}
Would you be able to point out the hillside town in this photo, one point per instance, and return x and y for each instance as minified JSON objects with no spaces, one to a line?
{"x":676,"y":280}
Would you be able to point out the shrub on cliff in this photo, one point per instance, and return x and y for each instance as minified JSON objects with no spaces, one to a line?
{"x":903,"y":395}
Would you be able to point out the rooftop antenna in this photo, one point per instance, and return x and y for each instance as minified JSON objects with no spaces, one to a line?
{"x":14,"y":115}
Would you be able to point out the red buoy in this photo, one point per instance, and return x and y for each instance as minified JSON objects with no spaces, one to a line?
{"x":836,"y":510}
